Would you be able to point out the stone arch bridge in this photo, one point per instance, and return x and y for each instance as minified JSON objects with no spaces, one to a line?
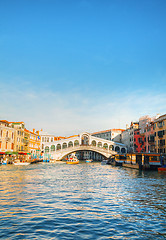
{"x":84,"y":142}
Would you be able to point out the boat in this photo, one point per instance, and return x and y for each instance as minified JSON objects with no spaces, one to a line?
{"x":104,"y":162}
{"x":117,"y":160}
{"x":22,"y":163}
{"x":4,"y":162}
{"x":89,"y":160}
{"x":72,"y":160}
{"x":162,"y":169}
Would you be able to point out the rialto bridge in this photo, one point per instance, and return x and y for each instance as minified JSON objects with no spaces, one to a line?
{"x":84,"y":142}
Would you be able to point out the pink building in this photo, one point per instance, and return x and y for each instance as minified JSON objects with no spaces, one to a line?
{"x":149,"y":138}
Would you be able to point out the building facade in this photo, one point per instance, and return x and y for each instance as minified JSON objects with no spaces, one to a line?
{"x":111,"y":134}
{"x":160,"y":134}
{"x":125,"y":138}
{"x":6,"y":137}
{"x":18,"y":136}
{"x":139,"y":141}
{"x":149,"y":138}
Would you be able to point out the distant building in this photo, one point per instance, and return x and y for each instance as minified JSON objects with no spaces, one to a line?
{"x":160,"y":134}
{"x":6,"y":137}
{"x":18,"y":136}
{"x":111,"y":134}
{"x":133,"y":127}
{"x":125,"y":138}
{"x":139,"y":141}
{"x":149,"y":138}
{"x":33,"y":145}
{"x":48,"y":138}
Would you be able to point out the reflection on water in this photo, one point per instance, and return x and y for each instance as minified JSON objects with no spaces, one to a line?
{"x":84,"y":201}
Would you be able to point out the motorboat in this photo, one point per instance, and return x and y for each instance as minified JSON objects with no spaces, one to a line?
{"x":4,"y":162}
{"x":72,"y":159}
{"x":21,"y":163}
{"x":89,"y":160}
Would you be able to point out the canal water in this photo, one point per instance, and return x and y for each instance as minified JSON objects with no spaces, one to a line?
{"x":84,"y":201}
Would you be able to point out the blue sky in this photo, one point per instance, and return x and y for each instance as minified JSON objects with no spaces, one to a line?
{"x":82,"y":65}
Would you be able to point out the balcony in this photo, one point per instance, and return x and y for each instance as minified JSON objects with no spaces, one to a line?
{"x":7,"y":139}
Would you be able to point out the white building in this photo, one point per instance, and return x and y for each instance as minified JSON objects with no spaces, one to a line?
{"x":111,"y":134}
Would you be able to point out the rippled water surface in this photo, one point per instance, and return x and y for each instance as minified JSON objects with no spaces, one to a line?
{"x":84,"y":201}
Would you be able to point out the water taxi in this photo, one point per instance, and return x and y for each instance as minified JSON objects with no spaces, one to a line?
{"x":72,"y":160}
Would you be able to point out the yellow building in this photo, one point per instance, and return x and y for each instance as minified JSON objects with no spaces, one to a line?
{"x":18,"y":136}
{"x":26,"y":140}
{"x":6,"y":137}
{"x":160,"y":134}
{"x":34,"y":141}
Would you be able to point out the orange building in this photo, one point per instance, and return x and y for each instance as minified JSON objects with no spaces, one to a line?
{"x":32,"y":141}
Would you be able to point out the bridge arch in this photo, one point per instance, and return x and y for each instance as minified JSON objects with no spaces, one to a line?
{"x":93,"y":143}
{"x":64,"y":145}
{"x":47,"y":149}
{"x":85,"y":139}
{"x":105,"y":146}
{"x":76,"y":143}
{"x":99,"y":144}
{"x":58,"y":146}
{"x":123,"y":150}
{"x":111,"y":147}
{"x":117,"y":149}
{"x":52,"y":148}
{"x":85,"y":142}
{"x":70,"y":144}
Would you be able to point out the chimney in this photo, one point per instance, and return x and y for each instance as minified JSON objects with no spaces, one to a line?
{"x":33,"y":130}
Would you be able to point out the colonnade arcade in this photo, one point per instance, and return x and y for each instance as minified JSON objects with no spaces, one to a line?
{"x":84,"y":139}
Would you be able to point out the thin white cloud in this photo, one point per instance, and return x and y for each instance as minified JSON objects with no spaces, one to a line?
{"x":72,"y":113}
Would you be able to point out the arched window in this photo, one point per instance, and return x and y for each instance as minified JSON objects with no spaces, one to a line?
{"x":99,"y":144}
{"x":52,"y":148}
{"x":85,"y":139}
{"x":93,"y":143}
{"x":47,"y":149}
{"x":117,"y":149}
{"x":7,"y":134}
{"x":123,"y":150}
{"x":58,"y":147}
{"x":105,"y":146}
{"x":111,"y":147}
{"x":64,"y":145}
{"x":70,"y":144}
{"x":76,"y":143}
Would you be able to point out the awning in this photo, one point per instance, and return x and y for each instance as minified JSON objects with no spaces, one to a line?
{"x":2,"y":152}
{"x":8,"y":153}
{"x":22,"y":153}
{"x":15,"y":152}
